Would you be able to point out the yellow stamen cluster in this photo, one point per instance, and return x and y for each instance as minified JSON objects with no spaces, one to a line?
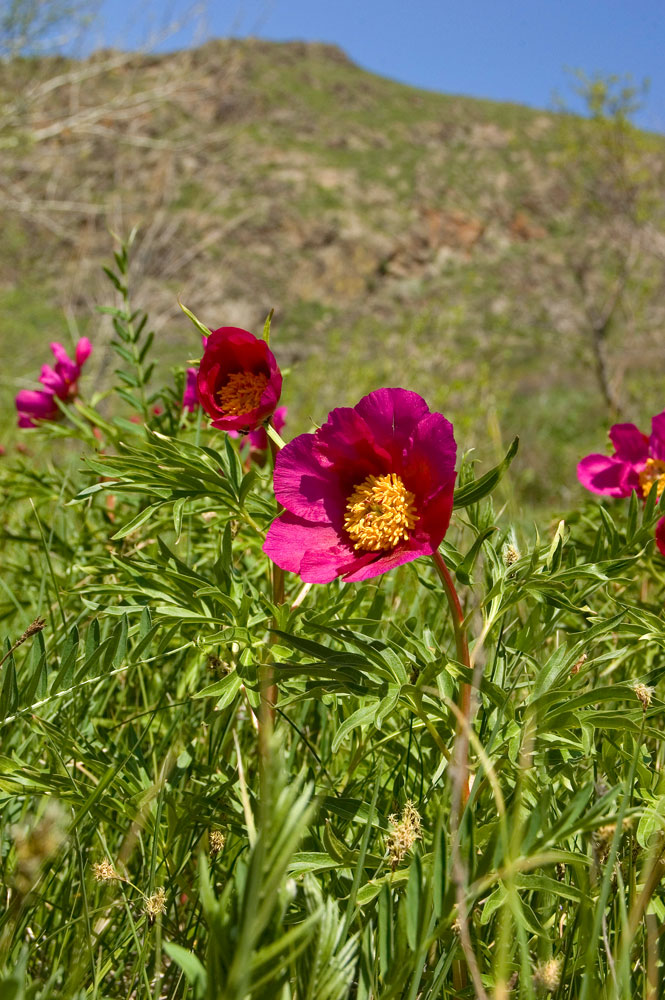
{"x":242,"y":392}
{"x":380,"y":513}
{"x":653,"y":473}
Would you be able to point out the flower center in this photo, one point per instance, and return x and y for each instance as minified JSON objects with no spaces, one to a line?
{"x":653,"y":472}
{"x":380,"y":513}
{"x":242,"y":392}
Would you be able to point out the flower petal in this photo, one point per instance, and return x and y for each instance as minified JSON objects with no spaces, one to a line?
{"x":392,"y":414}
{"x":65,"y":367}
{"x":190,"y":399}
{"x":369,"y":564}
{"x":314,"y":551}
{"x":53,"y":382}
{"x":33,"y":404}
{"x":606,"y":475}
{"x":657,"y":439}
{"x":429,"y":464}
{"x":83,"y":351}
{"x":660,"y":536}
{"x":306,"y":483}
{"x":630,"y":444}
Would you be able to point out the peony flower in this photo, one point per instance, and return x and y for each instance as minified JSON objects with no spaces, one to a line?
{"x":239,"y":382}
{"x":33,"y":405}
{"x":638,"y":463}
{"x":368,"y":491}
{"x":60,"y":381}
{"x":190,"y":399}
{"x":258,"y":439}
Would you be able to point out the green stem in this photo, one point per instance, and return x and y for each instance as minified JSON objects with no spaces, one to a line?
{"x":462,"y":647}
{"x":269,"y":691}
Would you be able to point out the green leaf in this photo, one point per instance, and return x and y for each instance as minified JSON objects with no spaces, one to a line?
{"x":266,"y":326}
{"x":413,"y":895}
{"x":137,"y":521}
{"x":361,"y":717}
{"x":479,"y":488}
{"x":193,"y":970}
{"x":197,"y":322}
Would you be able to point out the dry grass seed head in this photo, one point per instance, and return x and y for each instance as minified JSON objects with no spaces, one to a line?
{"x":104,"y":871}
{"x":216,"y":841}
{"x":404,"y":832}
{"x":644,"y":693}
{"x":547,"y":975}
{"x":155,"y":904}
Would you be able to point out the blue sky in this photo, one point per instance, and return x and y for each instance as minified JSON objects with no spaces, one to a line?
{"x":508,"y":50}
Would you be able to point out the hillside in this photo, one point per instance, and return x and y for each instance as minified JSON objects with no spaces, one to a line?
{"x":455,"y":246}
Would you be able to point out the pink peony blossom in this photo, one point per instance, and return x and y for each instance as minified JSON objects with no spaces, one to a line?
{"x":239,"y":382}
{"x":368,"y":491}
{"x":33,"y":405}
{"x":637,"y":463}
{"x":190,"y":399}
{"x":60,"y":381}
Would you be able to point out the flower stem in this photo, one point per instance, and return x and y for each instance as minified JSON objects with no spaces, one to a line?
{"x":269,"y":691}
{"x":462,"y":647}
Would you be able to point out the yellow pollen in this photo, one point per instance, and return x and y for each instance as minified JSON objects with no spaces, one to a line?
{"x":380,"y":513}
{"x":242,"y":392}
{"x":653,"y":472}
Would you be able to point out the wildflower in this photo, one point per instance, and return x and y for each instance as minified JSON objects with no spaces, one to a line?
{"x":155,"y":904}
{"x":59,"y":382}
{"x":547,"y":975}
{"x":644,"y":693}
{"x":190,"y":399}
{"x":404,"y":832}
{"x":638,"y":463}
{"x":216,"y":842}
{"x":104,"y":871}
{"x":368,"y":491}
{"x":258,"y":439}
{"x":239,"y":382}
{"x":35,"y":404}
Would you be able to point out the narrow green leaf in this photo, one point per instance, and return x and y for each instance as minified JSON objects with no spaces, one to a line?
{"x":479,"y":488}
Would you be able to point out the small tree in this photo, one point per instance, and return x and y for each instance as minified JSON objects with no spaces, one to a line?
{"x":614,"y":197}
{"x":33,"y":26}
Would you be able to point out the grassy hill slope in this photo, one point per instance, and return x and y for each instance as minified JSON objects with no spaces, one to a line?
{"x":457,"y":247}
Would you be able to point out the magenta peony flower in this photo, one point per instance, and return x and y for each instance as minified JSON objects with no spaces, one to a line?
{"x":368,"y":491}
{"x":239,"y":381}
{"x":60,"y":381}
{"x":638,"y":463}
{"x":190,"y":399}
{"x":33,"y":405}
